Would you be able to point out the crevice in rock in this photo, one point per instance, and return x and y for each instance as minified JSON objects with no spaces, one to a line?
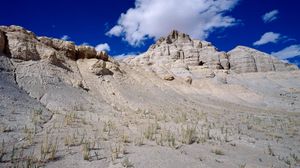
{"x":255,"y":68}
{"x":84,"y":87}
{"x":6,"y":46}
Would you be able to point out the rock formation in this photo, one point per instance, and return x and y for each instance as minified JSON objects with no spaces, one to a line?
{"x":182,"y":103}
{"x":243,"y":59}
{"x":175,"y":54}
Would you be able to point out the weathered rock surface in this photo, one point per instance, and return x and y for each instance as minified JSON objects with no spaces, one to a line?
{"x":102,"y":55}
{"x":179,"y":46}
{"x":244,"y":59}
{"x":65,"y":48}
{"x":23,"y":44}
{"x":177,"y":53}
{"x":99,"y":68}
{"x":86,"y":51}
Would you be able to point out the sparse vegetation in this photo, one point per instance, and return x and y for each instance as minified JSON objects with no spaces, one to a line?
{"x":150,"y":131}
{"x":48,"y":149}
{"x":116,"y":151}
{"x":108,"y":127}
{"x":70,"y":118}
{"x":86,"y":151}
{"x":188,"y":134}
{"x":217,"y":151}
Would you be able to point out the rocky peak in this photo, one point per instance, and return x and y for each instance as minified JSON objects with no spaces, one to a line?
{"x":170,"y":54}
{"x":176,"y":36}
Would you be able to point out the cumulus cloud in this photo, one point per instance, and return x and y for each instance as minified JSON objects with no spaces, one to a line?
{"x":270,"y":16}
{"x":65,"y":37}
{"x":288,"y":52}
{"x":102,"y":47}
{"x":116,"y":31}
{"x":156,"y":18}
{"x":268,"y":37}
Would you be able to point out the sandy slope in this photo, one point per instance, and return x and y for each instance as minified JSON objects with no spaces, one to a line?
{"x":153,"y":122}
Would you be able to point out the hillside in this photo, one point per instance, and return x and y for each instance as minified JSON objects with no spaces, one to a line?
{"x":182,"y":103}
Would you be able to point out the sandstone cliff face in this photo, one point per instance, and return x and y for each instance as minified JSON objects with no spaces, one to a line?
{"x":177,"y":53}
{"x":41,"y":65}
{"x":25,"y":45}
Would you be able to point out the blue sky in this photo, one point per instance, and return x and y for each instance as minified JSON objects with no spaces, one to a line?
{"x":225,"y":23}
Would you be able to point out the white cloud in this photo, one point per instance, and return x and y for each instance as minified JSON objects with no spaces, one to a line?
{"x":65,"y":37}
{"x":270,"y":16}
{"x":156,"y":18}
{"x":102,"y":47}
{"x":288,"y":52}
{"x":268,"y":37}
{"x":116,"y":31}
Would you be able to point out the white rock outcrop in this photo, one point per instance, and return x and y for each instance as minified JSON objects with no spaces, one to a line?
{"x":177,"y":53}
{"x":244,"y":59}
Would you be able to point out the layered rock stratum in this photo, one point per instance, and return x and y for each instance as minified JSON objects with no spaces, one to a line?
{"x":182,"y":103}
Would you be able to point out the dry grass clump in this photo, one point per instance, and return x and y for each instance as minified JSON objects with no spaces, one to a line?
{"x":86,"y":151}
{"x":188,"y":134}
{"x":124,"y":138}
{"x":117,"y":151}
{"x":108,"y":127}
{"x":48,"y":149}
{"x":70,"y":118}
{"x":74,"y":139}
{"x":150,"y":131}
{"x":218,"y":152}
{"x":139,"y":141}
{"x":166,"y":137}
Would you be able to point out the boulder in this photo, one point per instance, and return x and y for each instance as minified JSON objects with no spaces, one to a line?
{"x":99,"y":68}
{"x":169,"y":77}
{"x":188,"y":80}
